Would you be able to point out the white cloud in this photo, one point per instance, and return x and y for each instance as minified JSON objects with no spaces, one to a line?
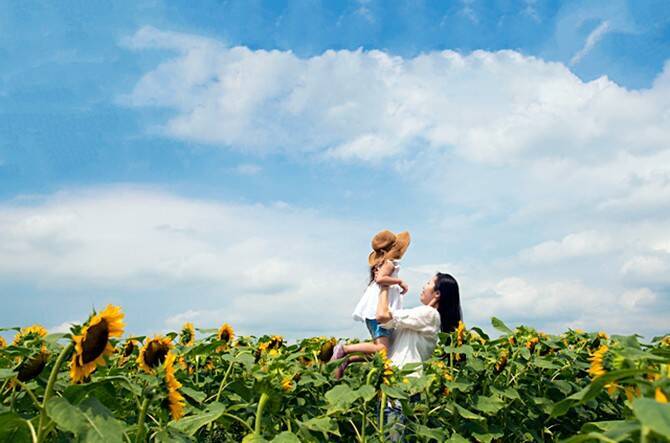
{"x":63,"y":327}
{"x":648,"y":268}
{"x":593,"y":38}
{"x":638,"y":298}
{"x":370,"y":104}
{"x":253,"y":264}
{"x":572,"y":245}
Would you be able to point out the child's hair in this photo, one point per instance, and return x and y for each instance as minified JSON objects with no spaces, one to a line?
{"x":374,"y":268}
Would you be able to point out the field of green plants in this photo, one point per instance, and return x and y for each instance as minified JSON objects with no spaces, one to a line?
{"x":96,"y":384}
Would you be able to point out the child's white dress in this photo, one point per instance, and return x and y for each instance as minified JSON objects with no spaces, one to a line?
{"x":367,"y":305}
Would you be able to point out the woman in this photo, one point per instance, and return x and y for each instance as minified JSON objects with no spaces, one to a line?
{"x":415,"y":333}
{"x":415,"y":329}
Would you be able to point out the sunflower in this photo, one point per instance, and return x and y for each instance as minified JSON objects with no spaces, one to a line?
{"x":29,"y":333}
{"x":632,"y":392}
{"x":460,"y":334}
{"x":31,"y":367}
{"x":530,"y":344}
{"x":502,"y":361}
{"x":287,"y":384}
{"x":276,"y":342}
{"x":153,"y":353}
{"x":660,"y":396}
{"x":129,"y":347}
{"x":226,"y":335}
{"x":187,"y":336}
{"x":175,"y":399}
{"x":597,"y":368}
{"x":93,"y":343}
{"x":387,"y":369}
{"x":3,"y":343}
{"x":326,"y":350}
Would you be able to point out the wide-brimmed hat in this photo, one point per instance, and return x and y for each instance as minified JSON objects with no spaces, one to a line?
{"x":387,"y":245}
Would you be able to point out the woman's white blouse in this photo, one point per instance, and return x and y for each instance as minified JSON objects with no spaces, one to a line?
{"x":414,"y":335}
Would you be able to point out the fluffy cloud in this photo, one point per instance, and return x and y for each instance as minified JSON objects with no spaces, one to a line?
{"x":572,"y":245}
{"x":253,"y":265}
{"x":370,"y":104}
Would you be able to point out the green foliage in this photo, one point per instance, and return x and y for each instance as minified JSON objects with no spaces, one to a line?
{"x":522,"y":386}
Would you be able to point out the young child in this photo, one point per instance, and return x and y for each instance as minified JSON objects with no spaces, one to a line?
{"x":384,"y":262}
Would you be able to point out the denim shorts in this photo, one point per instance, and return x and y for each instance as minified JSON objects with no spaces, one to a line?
{"x":376,"y":331}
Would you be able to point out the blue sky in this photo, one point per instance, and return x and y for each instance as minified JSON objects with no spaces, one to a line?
{"x":230,"y":161}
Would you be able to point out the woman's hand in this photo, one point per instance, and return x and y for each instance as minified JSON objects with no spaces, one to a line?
{"x":404,"y":287}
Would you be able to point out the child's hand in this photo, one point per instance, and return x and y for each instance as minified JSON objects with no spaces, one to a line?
{"x":404,"y":287}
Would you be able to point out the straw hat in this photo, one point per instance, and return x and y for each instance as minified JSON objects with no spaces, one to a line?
{"x":387,"y":245}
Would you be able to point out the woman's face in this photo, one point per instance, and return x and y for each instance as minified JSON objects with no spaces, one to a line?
{"x":428,"y":293}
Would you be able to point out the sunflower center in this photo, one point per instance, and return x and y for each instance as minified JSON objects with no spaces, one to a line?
{"x":155,"y":354}
{"x":31,"y":368}
{"x":95,"y":341}
{"x":130,"y":346}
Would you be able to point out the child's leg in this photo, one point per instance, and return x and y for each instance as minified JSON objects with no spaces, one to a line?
{"x":366,"y":348}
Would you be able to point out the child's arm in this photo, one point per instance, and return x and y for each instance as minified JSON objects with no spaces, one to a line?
{"x":383,"y":277}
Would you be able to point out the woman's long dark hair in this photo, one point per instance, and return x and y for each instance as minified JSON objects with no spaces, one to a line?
{"x":449,"y":306}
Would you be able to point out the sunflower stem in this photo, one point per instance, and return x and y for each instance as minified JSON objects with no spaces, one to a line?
{"x":381,"y":414}
{"x":41,"y":427}
{"x":259,"y":413}
{"x":223,"y":381}
{"x":140,"y":420}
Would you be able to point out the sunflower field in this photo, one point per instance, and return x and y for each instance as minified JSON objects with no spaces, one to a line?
{"x":96,"y":384}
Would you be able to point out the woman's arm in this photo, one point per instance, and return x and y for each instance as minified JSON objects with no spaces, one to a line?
{"x":383,"y":312}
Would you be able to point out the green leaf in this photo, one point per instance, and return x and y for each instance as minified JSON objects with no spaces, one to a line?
{"x":13,"y":428}
{"x":500,"y":326}
{"x":171,"y":436}
{"x":615,"y":429}
{"x":653,"y":414}
{"x":468,"y":415}
{"x":544,"y":364}
{"x":394,"y":392}
{"x":6,"y":373}
{"x":191,"y":424}
{"x":321,"y":424}
{"x":366,"y":392}
{"x":509,"y":393}
{"x":253,"y":438}
{"x":286,"y":437}
{"x":486,"y":437}
{"x":564,"y":386}
{"x":489,"y":405}
{"x":67,"y":417}
{"x":341,"y":396}
{"x":457,"y":438}
{"x":198,"y":396}
{"x":436,"y":434}
{"x":91,"y":422}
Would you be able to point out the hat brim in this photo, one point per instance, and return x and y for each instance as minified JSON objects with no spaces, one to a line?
{"x":400,"y":247}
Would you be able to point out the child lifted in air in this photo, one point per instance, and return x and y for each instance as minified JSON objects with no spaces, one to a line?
{"x":384,"y":262}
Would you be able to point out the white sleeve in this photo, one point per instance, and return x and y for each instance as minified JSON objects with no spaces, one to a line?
{"x":421,"y":319}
